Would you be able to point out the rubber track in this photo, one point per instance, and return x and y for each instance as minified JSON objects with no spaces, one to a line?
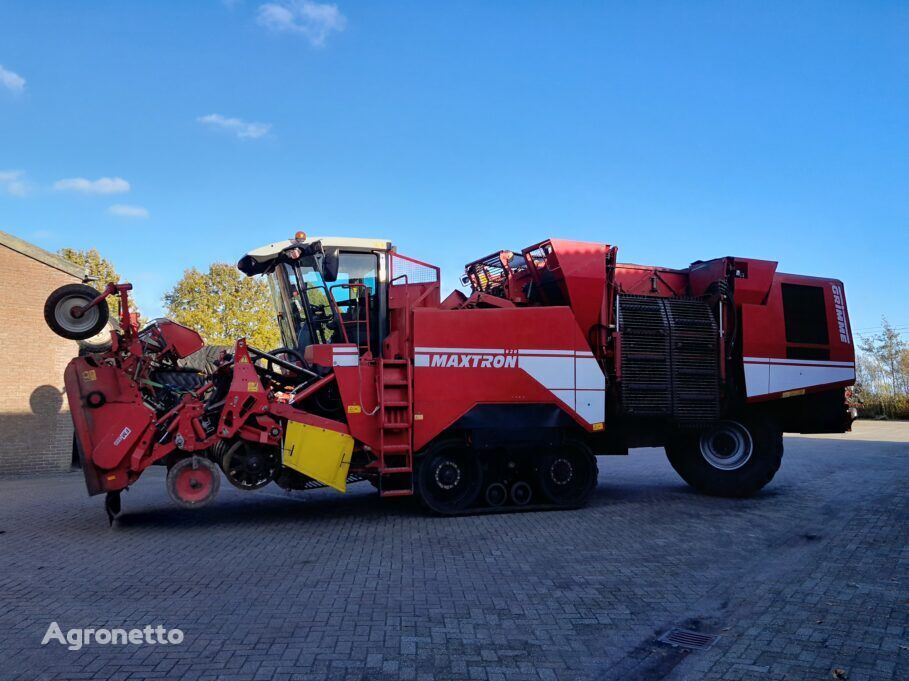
{"x":489,"y":510}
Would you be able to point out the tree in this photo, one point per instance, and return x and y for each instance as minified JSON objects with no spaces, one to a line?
{"x":224,"y":305}
{"x":884,"y":359}
{"x":96,"y":266}
{"x":883,"y":373}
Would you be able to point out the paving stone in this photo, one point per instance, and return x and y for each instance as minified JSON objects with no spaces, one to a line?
{"x":811,"y":574}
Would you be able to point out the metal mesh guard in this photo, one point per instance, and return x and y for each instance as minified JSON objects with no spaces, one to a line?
{"x":411,"y":272}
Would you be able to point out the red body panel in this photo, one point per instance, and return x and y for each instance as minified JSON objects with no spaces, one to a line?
{"x":357,"y":384}
{"x":582,"y":266}
{"x":110,"y":420}
{"x":529,"y":355}
{"x":775,"y":367}
{"x":180,"y":339}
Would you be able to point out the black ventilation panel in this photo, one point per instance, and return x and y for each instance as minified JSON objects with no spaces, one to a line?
{"x":669,"y":359}
{"x":805,"y":314}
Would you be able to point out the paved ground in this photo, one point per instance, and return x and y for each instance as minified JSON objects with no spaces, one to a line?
{"x":811,"y":576}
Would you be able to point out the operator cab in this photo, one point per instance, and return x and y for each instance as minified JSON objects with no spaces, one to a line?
{"x":326,"y":290}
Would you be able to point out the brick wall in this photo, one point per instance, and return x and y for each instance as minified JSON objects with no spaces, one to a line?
{"x":35,"y":427}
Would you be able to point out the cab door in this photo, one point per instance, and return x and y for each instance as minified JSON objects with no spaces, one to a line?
{"x":360,"y":299}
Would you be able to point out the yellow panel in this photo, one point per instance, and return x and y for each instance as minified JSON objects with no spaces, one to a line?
{"x":323,"y":455}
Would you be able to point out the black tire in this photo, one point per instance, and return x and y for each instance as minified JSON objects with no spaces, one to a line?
{"x":568,"y":475}
{"x":58,"y":312}
{"x":101,"y":342}
{"x":205,"y":359}
{"x":732,"y":458}
{"x":449,"y":477}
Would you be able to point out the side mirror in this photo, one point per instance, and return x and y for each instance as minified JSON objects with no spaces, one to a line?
{"x":330,"y":264}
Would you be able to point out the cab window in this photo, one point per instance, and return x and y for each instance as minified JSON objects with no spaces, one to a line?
{"x":354,"y":292}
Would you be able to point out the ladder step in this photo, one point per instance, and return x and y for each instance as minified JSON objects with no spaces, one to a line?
{"x":394,"y":383}
{"x":395,"y":404}
{"x":396,"y":449}
{"x":399,"y":469}
{"x":396,"y":493}
{"x":395,"y":426}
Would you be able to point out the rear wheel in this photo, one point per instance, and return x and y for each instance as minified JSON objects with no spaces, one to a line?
{"x":68,"y":314}
{"x":449,"y":477}
{"x":731,"y":458}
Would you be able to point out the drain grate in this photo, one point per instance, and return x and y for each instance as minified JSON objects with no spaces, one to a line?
{"x":685,"y":638}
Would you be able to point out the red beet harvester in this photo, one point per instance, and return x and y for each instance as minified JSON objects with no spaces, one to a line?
{"x":497,"y":400}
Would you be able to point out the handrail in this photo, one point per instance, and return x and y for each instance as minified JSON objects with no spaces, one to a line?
{"x":343,"y":323}
{"x":406,"y":304}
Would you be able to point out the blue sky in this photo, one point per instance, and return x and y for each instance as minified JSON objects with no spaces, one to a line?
{"x":675,"y":130}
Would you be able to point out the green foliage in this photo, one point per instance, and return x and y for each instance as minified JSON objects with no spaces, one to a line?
{"x":882,"y":406}
{"x":882,"y":380}
{"x":224,"y":305}
{"x":97,"y":266}
{"x":104,"y":273}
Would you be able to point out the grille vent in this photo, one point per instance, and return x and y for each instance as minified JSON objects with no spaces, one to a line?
{"x":685,"y":638}
{"x":669,"y":358}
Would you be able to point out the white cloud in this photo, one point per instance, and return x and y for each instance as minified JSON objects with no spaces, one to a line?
{"x":240,"y":128}
{"x":103,"y":185}
{"x":313,"y":20}
{"x":11,"y":80}
{"x":124,"y":211}
{"x":13,"y":182}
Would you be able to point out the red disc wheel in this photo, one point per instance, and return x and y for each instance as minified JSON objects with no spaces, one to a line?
{"x":193,"y":482}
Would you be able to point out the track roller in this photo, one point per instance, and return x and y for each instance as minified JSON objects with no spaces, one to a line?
{"x":567,"y":475}
{"x":496,"y":494}
{"x":449,"y":478}
{"x":521,"y":493}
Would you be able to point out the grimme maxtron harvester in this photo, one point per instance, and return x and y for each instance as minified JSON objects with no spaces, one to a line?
{"x":495,"y":400}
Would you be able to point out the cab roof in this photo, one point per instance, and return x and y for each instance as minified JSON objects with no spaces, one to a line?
{"x":264,"y":254}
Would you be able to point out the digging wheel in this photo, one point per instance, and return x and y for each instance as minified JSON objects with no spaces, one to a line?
{"x":449,"y":478}
{"x":249,"y":466}
{"x":193,"y":482}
